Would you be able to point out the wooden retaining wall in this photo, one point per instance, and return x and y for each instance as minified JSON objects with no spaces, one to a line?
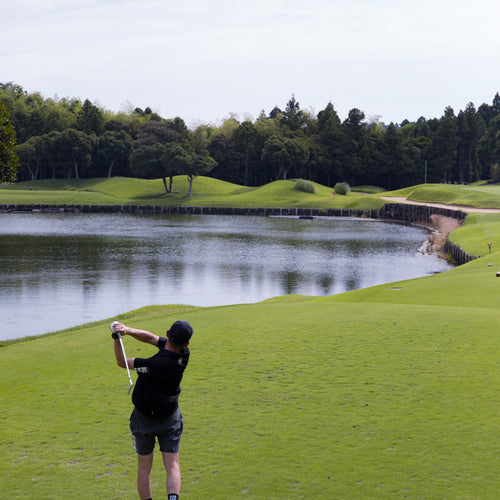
{"x":458,"y":254}
{"x":390,"y":211}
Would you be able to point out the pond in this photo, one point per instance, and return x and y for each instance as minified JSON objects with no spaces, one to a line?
{"x":62,"y":270}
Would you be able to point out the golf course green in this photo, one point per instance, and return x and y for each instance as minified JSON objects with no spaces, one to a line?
{"x":387,"y":392}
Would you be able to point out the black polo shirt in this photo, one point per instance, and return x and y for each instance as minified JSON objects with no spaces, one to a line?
{"x":157,"y":389}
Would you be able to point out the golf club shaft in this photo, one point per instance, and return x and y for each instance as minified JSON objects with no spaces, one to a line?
{"x":124,"y":358}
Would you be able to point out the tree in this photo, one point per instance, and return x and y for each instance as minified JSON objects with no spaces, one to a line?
{"x":199,"y":138}
{"x":298,"y":154}
{"x":30,"y":155}
{"x":90,"y":119}
{"x":198,"y":164}
{"x":276,"y":113}
{"x":292,"y":116}
{"x":154,"y":151}
{"x":265,"y":128}
{"x":112,"y":152}
{"x":470,"y":129}
{"x":51,"y":155}
{"x":488,"y":112}
{"x":145,"y":161}
{"x":9,"y":162}
{"x":285,"y":153}
{"x":444,"y":146}
{"x":175,"y":160}
{"x":397,"y":161}
{"x":225,"y":153}
{"x":355,"y":147}
{"x":74,"y":150}
{"x":35,"y":116}
{"x":275,"y":153}
{"x":121,"y":121}
{"x":354,"y":124}
{"x":489,"y":146}
{"x":158,"y":132}
{"x":328,"y":123}
{"x":245,"y":139}
{"x":198,"y":159}
{"x":332,"y":140}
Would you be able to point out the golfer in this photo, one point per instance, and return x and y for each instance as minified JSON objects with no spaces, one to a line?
{"x":156,"y":413}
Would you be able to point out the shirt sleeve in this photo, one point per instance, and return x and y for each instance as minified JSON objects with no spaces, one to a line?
{"x":142,"y":365}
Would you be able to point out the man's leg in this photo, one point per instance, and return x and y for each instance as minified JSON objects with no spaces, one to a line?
{"x":171,"y":463}
{"x":144,"y":465}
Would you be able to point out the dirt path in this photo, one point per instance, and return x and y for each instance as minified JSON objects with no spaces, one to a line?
{"x":442,"y":205}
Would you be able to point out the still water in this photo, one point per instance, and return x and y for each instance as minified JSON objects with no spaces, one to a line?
{"x":62,"y":270}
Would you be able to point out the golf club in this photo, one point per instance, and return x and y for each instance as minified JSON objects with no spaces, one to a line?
{"x":112,"y":327}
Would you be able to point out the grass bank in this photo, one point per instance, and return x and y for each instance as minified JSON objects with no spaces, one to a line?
{"x":386,"y":392}
{"x":474,"y":195}
{"x":206,"y":192}
{"x":215,"y":193}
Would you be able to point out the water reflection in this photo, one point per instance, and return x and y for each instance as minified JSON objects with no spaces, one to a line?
{"x":59,"y":270}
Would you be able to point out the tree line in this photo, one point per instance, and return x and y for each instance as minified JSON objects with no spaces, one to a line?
{"x":68,"y":138}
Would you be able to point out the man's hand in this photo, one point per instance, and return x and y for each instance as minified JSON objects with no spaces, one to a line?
{"x":141,"y":335}
{"x":117,"y":328}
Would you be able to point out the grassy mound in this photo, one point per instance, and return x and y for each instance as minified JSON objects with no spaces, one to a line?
{"x":476,"y":195}
{"x":215,"y":193}
{"x":206,"y":192}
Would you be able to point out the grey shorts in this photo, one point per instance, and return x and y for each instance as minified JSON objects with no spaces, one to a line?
{"x":145,"y":431}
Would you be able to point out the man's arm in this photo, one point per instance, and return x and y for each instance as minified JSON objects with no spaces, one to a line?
{"x":141,"y":335}
{"x":120,"y":360}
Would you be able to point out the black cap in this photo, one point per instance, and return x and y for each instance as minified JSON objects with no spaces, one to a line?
{"x":180,"y":332}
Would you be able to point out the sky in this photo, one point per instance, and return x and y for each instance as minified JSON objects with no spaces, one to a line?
{"x":207,"y":60}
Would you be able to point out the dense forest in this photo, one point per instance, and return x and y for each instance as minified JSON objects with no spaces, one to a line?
{"x":67,"y":138}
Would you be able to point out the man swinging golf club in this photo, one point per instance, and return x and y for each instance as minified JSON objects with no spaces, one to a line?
{"x":156,"y":413}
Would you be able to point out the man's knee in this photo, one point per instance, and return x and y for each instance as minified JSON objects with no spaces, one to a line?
{"x":171,"y":461}
{"x":144,"y":463}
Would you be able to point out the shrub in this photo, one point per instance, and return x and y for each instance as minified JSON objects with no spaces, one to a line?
{"x":342,"y":188}
{"x":305,"y":186}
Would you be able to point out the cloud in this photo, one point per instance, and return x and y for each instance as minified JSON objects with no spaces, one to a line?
{"x":203,"y":59}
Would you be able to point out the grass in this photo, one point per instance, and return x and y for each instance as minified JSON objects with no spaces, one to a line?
{"x":206,"y":192}
{"x":478,"y":230}
{"x":215,"y":193}
{"x":475,"y":195}
{"x":387,"y":392}
{"x":368,"y":189}
{"x":379,"y":393}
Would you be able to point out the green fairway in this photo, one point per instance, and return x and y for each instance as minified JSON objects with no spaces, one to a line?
{"x":474,"y":195}
{"x":215,"y":193}
{"x":207,"y":192}
{"x":383,"y":393}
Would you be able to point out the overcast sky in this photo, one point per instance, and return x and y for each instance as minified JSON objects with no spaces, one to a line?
{"x":203,"y":60}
